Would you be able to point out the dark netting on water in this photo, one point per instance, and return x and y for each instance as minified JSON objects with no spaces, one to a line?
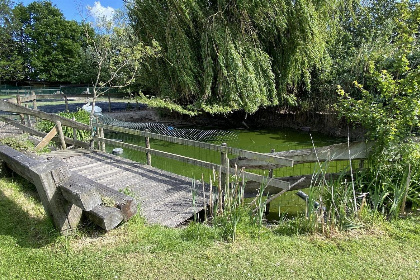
{"x":186,"y":133}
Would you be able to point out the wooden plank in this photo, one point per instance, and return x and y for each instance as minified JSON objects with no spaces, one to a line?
{"x":46,"y":140}
{"x":358,"y":150}
{"x":271,"y":158}
{"x":81,"y":192}
{"x":10,"y":107}
{"x":252,"y":187}
{"x":46,"y":175}
{"x":106,"y":217}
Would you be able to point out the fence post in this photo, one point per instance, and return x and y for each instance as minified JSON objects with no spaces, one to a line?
{"x":19,"y":102}
{"x":102,"y":135}
{"x":224,"y":161}
{"x":270,"y":175}
{"x":147,"y":142}
{"x":28,"y":118}
{"x":61,"y":134}
{"x":74,"y":131}
{"x":67,"y":103}
{"x":34,"y":100}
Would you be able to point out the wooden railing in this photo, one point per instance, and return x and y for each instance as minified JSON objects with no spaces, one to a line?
{"x":224,"y":166}
{"x":26,"y":124}
{"x":245,"y":159}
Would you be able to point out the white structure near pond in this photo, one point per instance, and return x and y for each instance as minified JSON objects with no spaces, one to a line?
{"x":97,"y":110}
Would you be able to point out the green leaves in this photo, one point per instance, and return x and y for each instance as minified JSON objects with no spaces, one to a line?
{"x":41,"y":45}
{"x":230,"y":55}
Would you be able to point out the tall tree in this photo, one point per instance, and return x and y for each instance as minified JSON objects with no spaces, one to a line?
{"x":11,"y":63}
{"x":220,"y":56}
{"x":50,"y":45}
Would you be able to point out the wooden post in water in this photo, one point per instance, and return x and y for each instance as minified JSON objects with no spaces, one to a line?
{"x":61,"y":134}
{"x":224,"y":161}
{"x":270,"y":175}
{"x":147,"y":142}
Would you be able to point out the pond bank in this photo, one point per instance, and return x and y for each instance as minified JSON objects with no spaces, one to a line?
{"x":325,"y":123}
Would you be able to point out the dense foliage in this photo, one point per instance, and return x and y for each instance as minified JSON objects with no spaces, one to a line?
{"x":220,"y":56}
{"x":41,"y":45}
{"x":388,"y":106}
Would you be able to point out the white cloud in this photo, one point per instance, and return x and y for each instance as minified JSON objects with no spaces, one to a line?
{"x":98,"y":11}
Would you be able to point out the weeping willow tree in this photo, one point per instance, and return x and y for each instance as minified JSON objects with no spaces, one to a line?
{"x":226,"y":55}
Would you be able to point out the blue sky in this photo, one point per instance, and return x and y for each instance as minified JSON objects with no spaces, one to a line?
{"x":71,"y":8}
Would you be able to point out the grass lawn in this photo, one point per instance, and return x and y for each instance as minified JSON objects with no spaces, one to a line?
{"x":30,"y":248}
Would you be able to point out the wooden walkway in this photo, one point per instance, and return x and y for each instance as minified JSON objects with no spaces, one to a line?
{"x":164,"y":198}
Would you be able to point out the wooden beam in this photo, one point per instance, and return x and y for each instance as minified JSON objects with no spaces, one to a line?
{"x":80,"y":192}
{"x":106,"y":217}
{"x":358,"y":150}
{"x":252,"y":187}
{"x":126,"y":204}
{"x":46,"y":140}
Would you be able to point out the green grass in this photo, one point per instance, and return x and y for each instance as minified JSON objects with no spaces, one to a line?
{"x":30,"y":248}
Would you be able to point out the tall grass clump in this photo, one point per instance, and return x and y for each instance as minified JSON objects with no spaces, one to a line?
{"x":387,"y":186}
{"x":228,"y":210}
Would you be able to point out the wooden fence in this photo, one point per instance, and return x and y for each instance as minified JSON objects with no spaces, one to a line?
{"x":32,"y":97}
{"x":245,"y":159}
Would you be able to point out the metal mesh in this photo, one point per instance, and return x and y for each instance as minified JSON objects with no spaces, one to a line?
{"x":186,"y":133}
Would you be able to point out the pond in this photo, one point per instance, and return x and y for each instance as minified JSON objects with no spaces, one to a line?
{"x":263,"y":140}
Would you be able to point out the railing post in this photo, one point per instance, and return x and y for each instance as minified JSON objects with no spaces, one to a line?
{"x":270,"y":175}
{"x":74,"y":131}
{"x":28,"y":118}
{"x":67,"y":103}
{"x":102,"y":135}
{"x":61,"y":134}
{"x":92,"y":141}
{"x":270,"y":172}
{"x":224,"y":161}
{"x":19,"y":102}
{"x":34,"y":100}
{"x":147,"y":142}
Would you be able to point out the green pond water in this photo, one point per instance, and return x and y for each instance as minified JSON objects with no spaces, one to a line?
{"x":262,"y":140}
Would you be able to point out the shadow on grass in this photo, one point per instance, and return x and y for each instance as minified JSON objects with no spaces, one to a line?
{"x":27,"y":230}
